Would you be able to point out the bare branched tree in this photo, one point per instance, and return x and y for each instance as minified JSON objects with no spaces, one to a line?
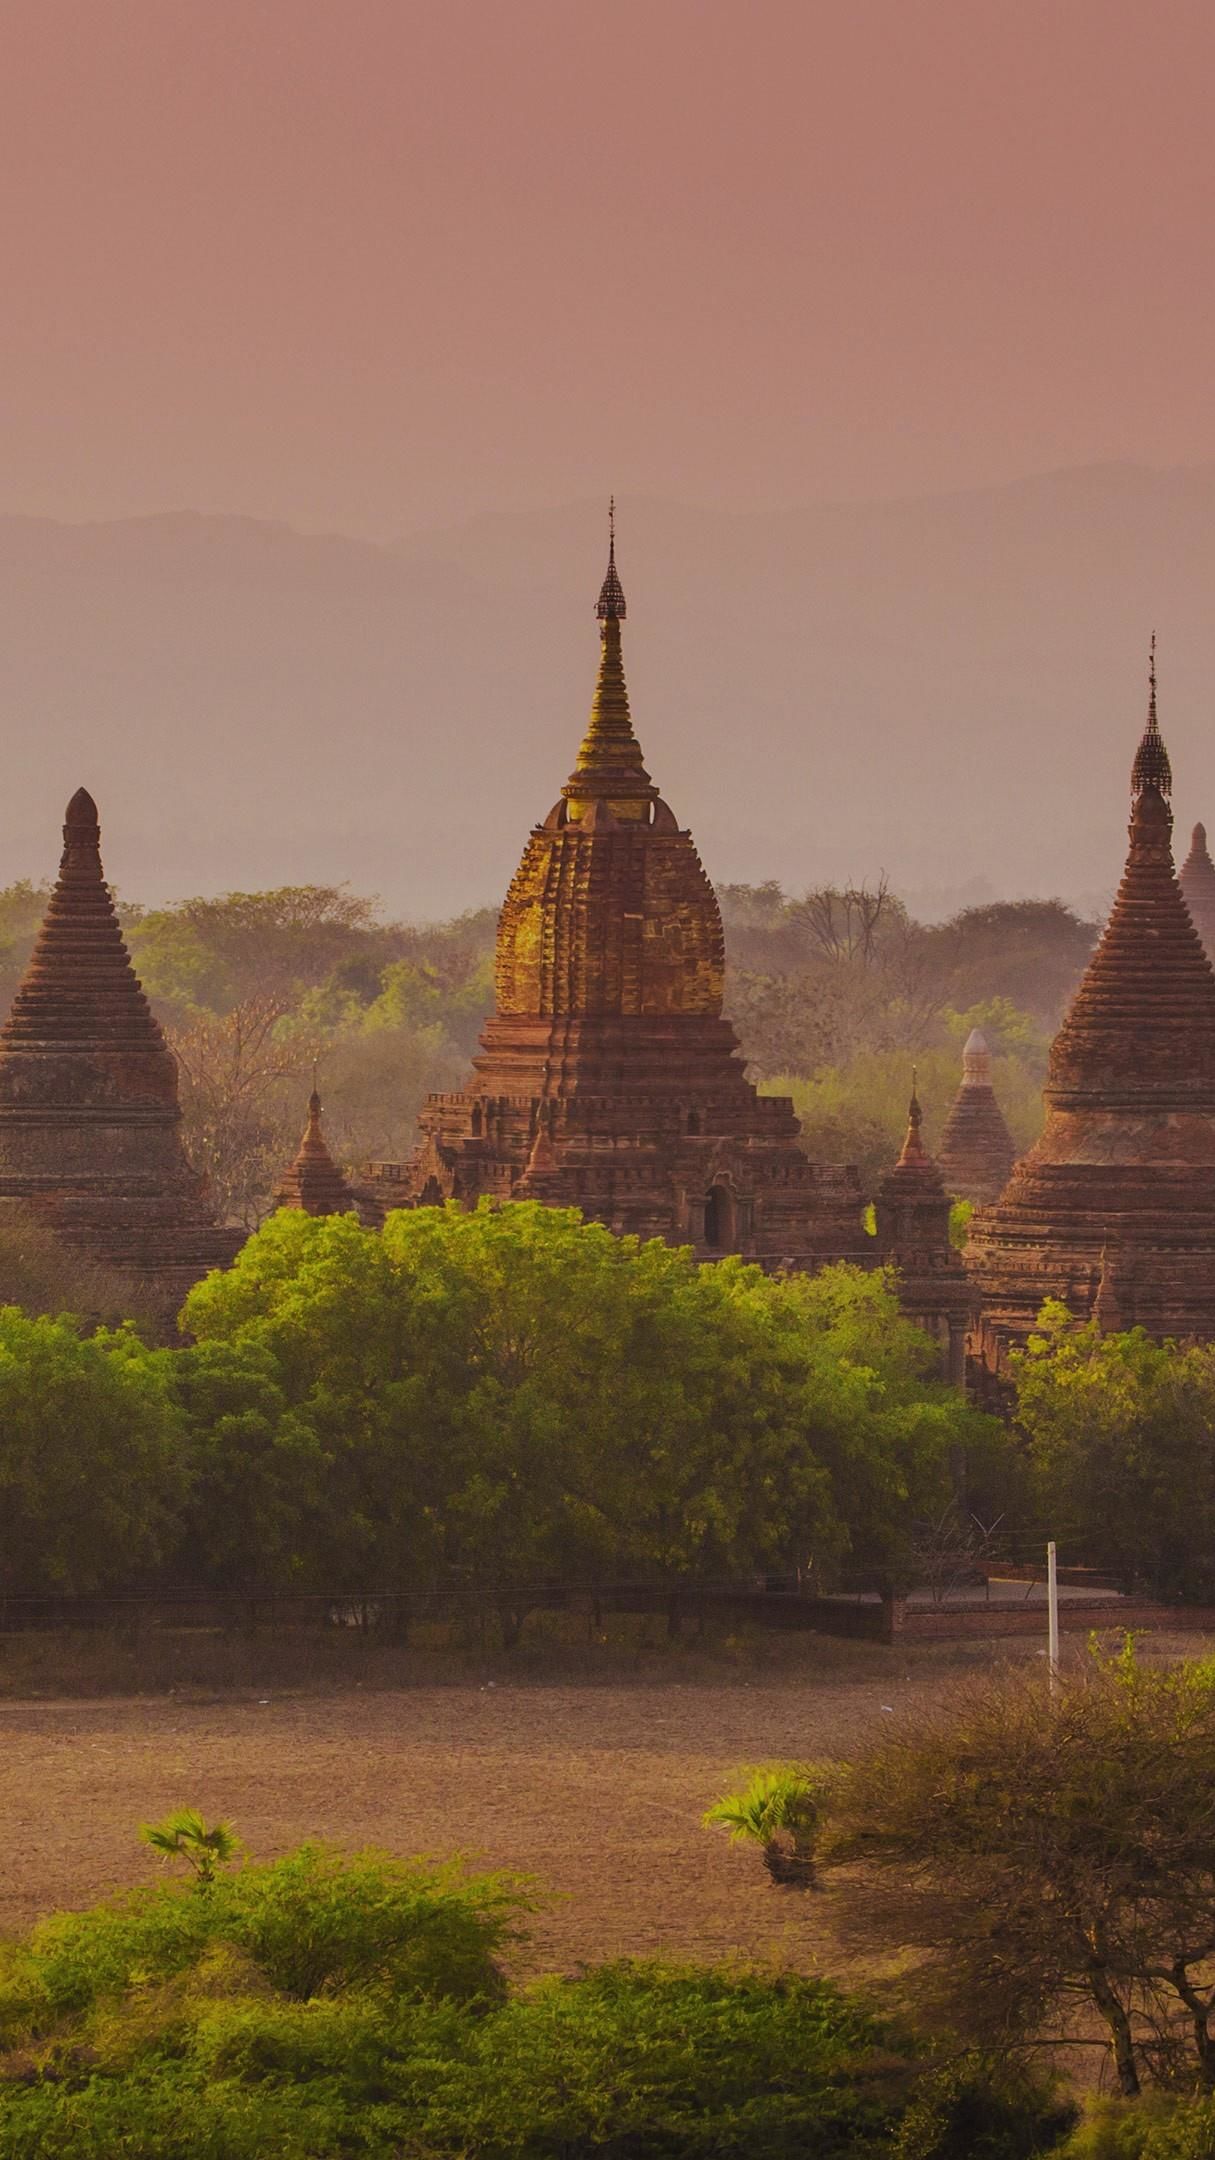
{"x":239,"y":1115}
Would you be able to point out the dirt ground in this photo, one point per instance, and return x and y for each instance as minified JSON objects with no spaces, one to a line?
{"x":595,"y":1789}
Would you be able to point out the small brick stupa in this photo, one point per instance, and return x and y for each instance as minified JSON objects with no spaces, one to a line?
{"x":1197,"y":880}
{"x":314,"y":1182}
{"x":911,"y":1212}
{"x":976,"y":1154}
{"x":607,"y":1077}
{"x":89,"y":1117}
{"x":1116,"y":1201}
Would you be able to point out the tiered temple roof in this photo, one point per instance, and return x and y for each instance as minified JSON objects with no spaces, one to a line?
{"x":1120,"y":1189}
{"x":314,"y":1182}
{"x":976,"y":1154}
{"x":911,"y":1211}
{"x":607,"y":1078}
{"x":1197,"y":880}
{"x":89,"y":1115}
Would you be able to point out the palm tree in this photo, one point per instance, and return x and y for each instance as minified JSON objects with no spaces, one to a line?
{"x":780,"y":1809}
{"x":184,"y":1835}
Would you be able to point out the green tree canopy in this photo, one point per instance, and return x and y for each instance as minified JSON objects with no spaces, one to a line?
{"x":90,"y":1467}
{"x":1121,"y":1434}
{"x":513,"y":1394}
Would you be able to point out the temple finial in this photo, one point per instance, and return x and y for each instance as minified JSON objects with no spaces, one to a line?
{"x":913,"y":1146}
{"x":1151,"y":767}
{"x":610,"y":605}
{"x":314,"y":1100}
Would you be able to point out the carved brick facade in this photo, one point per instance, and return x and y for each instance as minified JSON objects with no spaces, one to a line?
{"x":607,"y":1077}
{"x":89,"y":1115}
{"x":1116,"y":1200}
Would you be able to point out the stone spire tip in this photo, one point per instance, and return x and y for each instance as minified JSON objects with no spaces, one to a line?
{"x":81,"y":811}
{"x":1151,"y":767}
{"x":610,"y":605}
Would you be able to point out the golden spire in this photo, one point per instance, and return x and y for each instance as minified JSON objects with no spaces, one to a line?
{"x":609,"y":766}
{"x":1151,"y":767}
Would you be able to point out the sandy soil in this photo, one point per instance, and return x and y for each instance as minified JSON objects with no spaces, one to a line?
{"x":597,"y":1790}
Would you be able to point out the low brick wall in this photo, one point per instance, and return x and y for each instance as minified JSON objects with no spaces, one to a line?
{"x":1076,"y":1617}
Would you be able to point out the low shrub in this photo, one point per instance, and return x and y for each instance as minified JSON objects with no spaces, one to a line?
{"x":329,"y":2009}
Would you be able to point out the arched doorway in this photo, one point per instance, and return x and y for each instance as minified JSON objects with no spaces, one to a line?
{"x":719,"y":1218}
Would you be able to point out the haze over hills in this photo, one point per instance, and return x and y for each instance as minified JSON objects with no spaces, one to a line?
{"x":948,"y":688}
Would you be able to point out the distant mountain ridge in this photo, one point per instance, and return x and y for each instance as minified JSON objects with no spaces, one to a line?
{"x":949,"y":688}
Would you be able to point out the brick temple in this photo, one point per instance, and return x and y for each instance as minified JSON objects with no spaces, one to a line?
{"x":89,"y":1116}
{"x":607,"y":1077}
{"x":911,"y":1212}
{"x":1114,"y":1206}
{"x":1197,"y":881}
{"x":976,"y":1154}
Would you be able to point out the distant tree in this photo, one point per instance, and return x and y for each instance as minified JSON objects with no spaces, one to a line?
{"x":90,"y":1462}
{"x":1048,"y":1863}
{"x":237,"y":1126}
{"x":1121,"y":1434}
{"x":45,"y":1273}
{"x":264,"y":946}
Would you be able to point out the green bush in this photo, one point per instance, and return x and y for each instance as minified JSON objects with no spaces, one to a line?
{"x":313,"y":1923}
{"x":1152,"y":2129}
{"x":322,"y":2008}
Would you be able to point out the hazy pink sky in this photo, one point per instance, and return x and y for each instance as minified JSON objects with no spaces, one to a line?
{"x":379,"y":263}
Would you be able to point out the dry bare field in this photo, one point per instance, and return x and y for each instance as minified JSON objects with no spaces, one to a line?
{"x":597,"y":1788}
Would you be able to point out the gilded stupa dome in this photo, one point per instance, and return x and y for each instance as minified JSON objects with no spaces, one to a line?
{"x":610,"y":911}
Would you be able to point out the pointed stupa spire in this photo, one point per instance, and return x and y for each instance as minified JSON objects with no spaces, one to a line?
{"x":79,"y":986}
{"x":1148,"y":989}
{"x":913,"y":1145}
{"x":1151,"y":767}
{"x":610,"y":767}
{"x":1197,"y":880}
{"x":976,"y":1152}
{"x":314,"y":1182}
{"x":610,"y":603}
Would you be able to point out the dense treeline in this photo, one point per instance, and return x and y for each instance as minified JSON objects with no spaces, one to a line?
{"x":488,"y":1400}
{"x":833,"y":996}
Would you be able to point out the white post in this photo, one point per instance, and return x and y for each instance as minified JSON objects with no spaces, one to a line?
{"x":1052,"y":1618}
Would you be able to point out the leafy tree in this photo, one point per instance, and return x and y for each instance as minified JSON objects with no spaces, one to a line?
{"x":1121,"y":1434}
{"x":512,"y":1395}
{"x":44,"y":1273}
{"x":1052,"y":1861}
{"x":90,"y":1470}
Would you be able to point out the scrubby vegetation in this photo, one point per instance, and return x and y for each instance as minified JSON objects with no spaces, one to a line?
{"x":322,"y":2006}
